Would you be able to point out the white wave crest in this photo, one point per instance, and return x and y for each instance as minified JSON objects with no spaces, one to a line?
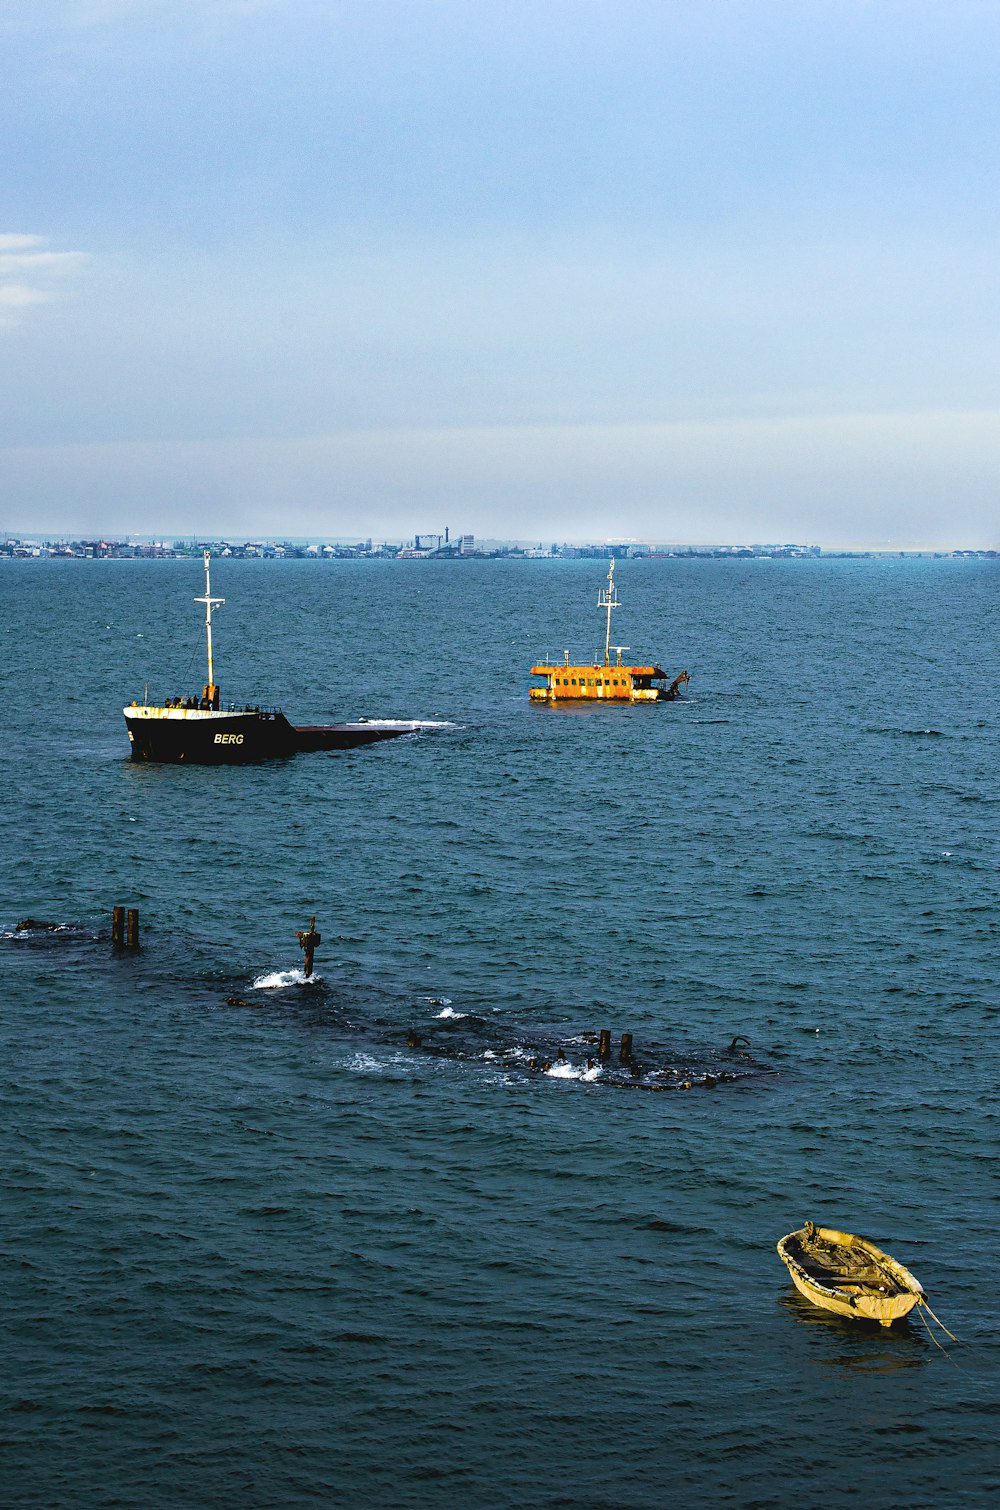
{"x":449,"y":1012}
{"x":409,"y":723}
{"x":276,"y":980}
{"x":563,"y":1070}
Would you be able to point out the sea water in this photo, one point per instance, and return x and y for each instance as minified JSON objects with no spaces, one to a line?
{"x":259,"y":1251}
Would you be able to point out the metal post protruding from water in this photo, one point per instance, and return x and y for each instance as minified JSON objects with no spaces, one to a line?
{"x":118,"y":927}
{"x":625,"y":1051}
{"x":132,"y":928}
{"x":604,"y":1043}
{"x":308,"y":942}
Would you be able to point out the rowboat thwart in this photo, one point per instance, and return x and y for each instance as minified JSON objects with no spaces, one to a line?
{"x":849,"y":1275}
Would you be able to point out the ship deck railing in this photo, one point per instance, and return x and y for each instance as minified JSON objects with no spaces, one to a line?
{"x":194,"y":705}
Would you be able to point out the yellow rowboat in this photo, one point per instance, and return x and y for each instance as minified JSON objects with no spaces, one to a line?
{"x":849,"y":1275}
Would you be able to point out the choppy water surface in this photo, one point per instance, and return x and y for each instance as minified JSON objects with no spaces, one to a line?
{"x":260,"y":1251}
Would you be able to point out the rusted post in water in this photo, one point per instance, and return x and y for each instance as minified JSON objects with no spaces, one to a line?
{"x":604,"y":1043}
{"x":132,"y":928}
{"x":118,"y":927}
{"x":308,"y":942}
{"x":625,"y":1051}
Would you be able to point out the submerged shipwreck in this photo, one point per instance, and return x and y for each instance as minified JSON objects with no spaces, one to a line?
{"x":428,"y":1026}
{"x":587,"y":1057}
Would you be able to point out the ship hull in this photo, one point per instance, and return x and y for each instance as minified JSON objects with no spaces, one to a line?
{"x":606,"y":684}
{"x":601,"y":694}
{"x":221,"y":738}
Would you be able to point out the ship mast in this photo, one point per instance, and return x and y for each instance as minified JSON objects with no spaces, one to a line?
{"x":608,"y":598}
{"x":210,"y":603}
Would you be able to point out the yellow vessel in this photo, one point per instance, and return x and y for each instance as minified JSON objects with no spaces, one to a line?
{"x":849,"y":1275}
{"x":610,"y":682}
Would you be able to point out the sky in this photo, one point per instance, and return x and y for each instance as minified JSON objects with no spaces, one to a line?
{"x":700,"y":271}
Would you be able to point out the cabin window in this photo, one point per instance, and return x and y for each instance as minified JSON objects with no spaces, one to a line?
{"x":573,"y":680}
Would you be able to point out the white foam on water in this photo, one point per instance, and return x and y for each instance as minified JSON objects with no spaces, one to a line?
{"x":409,"y":723}
{"x":276,"y":980}
{"x":500,"y":1077}
{"x":37,"y":933}
{"x":563,"y":1070}
{"x":448,"y":1012}
{"x":517,"y":1053}
{"x":366,"y":1064}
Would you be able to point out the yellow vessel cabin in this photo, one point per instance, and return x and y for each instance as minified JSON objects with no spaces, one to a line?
{"x":610,"y":682}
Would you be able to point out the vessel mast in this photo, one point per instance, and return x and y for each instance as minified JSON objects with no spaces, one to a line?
{"x":209,"y":603}
{"x":608,"y":598}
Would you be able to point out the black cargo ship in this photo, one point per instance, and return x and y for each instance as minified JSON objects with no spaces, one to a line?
{"x":198,"y":730}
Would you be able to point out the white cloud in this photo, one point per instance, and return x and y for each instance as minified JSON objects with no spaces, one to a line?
{"x":39,"y":262}
{"x":11,"y":242}
{"x":20,"y":295}
{"x":26,"y":272}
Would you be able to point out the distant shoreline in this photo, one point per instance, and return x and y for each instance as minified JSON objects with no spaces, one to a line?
{"x":19,"y":548}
